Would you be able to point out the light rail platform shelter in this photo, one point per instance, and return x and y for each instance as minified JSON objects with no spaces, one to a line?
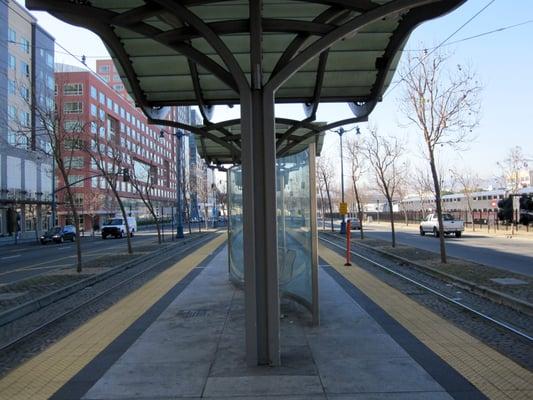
{"x":255,"y":54}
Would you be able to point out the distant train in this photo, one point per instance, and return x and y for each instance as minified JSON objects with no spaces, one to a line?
{"x":484,"y":204}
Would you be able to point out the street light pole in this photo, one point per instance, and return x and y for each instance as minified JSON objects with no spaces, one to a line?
{"x":179,"y":193}
{"x":179,"y":227}
{"x":343,"y":222}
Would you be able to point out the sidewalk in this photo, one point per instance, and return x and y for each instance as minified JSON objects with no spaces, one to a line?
{"x":522,"y":233}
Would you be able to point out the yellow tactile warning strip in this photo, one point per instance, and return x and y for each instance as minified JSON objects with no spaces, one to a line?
{"x":43,"y":375}
{"x":495,"y":375}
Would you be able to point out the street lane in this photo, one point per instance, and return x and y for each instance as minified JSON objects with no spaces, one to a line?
{"x":33,"y":260}
{"x":511,"y":254}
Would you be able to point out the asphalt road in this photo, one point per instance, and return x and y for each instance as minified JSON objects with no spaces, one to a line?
{"x":26,"y":260}
{"x":511,"y":254}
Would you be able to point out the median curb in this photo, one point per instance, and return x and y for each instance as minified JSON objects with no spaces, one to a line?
{"x":59,"y":294}
{"x":483,"y":291}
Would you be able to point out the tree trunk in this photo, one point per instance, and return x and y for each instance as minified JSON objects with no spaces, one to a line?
{"x":323,"y":209}
{"x":359,"y":209}
{"x":76,"y":226}
{"x":125,"y":217}
{"x":330,"y":207}
{"x":389,"y":200}
{"x":157,"y":223}
{"x":438,"y":204}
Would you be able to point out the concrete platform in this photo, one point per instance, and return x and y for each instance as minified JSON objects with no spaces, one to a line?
{"x":195,"y":349}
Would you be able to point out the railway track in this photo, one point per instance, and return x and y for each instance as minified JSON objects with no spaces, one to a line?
{"x":98,"y":296}
{"x":457,"y":303}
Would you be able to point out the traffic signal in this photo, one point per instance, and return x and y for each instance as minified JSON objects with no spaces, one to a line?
{"x":505,"y":209}
{"x":526,"y":209}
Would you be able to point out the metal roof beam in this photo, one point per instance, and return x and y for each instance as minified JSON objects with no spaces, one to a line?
{"x":353,"y":25}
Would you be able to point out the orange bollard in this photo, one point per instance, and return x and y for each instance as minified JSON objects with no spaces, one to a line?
{"x":348,"y":247}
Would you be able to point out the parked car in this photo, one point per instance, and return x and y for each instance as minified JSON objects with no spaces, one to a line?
{"x":116,"y":227}
{"x":59,"y":234}
{"x":451,"y":225}
{"x":355,"y":224}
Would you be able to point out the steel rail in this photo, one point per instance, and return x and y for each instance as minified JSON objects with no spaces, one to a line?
{"x":501,"y":324}
{"x":46,"y":324}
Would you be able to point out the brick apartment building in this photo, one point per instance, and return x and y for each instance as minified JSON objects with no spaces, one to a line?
{"x":86,"y":100}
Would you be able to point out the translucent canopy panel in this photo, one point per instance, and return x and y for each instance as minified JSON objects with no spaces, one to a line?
{"x":192,"y":52}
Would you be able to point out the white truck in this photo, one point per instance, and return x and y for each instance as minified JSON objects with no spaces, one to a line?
{"x":451,"y":225}
{"x":117,"y":228}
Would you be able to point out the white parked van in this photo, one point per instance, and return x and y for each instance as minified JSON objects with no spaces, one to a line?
{"x":117,"y":228}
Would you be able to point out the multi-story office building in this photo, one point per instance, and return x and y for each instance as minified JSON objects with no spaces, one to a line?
{"x":102,"y":116}
{"x":26,"y":85}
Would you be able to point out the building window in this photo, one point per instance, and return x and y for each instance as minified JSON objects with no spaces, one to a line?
{"x":73,"y":162}
{"x":25,"y":118}
{"x":94,"y":127}
{"x":73,"y":144}
{"x":73,"y":89}
{"x":118,"y":87}
{"x":25,"y":93}
{"x":109,"y":103}
{"x":103,"y":69}
{"x":93,"y":92}
{"x":105,"y":78}
{"x":94,"y":113}
{"x":12,"y":113}
{"x":25,"y":45}
{"x":50,"y":59}
{"x":78,"y":202}
{"x":72,"y":126}
{"x":25,"y":69}
{"x":75,"y":180}
{"x":101,"y":98}
{"x":116,"y":78}
{"x":50,"y":83}
{"x":11,"y":87}
{"x":12,"y":35}
{"x":73,"y":107}
{"x":12,"y":62}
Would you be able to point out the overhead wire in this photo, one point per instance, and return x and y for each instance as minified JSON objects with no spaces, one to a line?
{"x":433,"y":50}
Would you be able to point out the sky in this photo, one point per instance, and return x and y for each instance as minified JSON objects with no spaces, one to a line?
{"x":502,"y":60}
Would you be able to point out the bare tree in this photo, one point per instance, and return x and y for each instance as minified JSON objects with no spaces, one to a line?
{"x":512,"y":167}
{"x":444,"y":105}
{"x":383,"y":155}
{"x":143,"y":179}
{"x":355,"y":151}
{"x":57,"y":136}
{"x":403,"y":190}
{"x":112,"y":164}
{"x":468,"y":183}
{"x":325,"y":178}
{"x":92,"y":204}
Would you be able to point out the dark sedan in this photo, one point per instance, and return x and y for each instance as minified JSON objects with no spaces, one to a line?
{"x":59,"y":234}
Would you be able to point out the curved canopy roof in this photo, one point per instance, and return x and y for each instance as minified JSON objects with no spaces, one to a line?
{"x":175,"y":52}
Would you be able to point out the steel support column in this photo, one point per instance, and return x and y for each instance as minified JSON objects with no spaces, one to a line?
{"x":260,"y":232}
